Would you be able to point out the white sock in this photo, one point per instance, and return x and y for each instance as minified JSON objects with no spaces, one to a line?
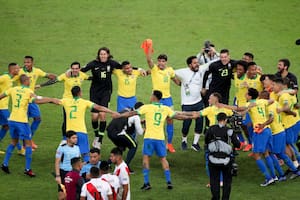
{"x":296,"y":163}
{"x":196,"y":138}
{"x":184,"y":139}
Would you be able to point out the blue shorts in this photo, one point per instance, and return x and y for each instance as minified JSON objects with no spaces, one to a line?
{"x":296,"y":128}
{"x":262,"y":142}
{"x":83,"y":142}
{"x":279,"y":143}
{"x":290,"y":135}
{"x":123,"y":102}
{"x":247,"y":119}
{"x":167,"y":101}
{"x":4,"y":115}
{"x":157,"y":146}
{"x":33,"y":110}
{"x":19,"y":130}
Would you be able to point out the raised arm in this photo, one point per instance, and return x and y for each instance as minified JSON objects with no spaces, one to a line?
{"x":149,"y":59}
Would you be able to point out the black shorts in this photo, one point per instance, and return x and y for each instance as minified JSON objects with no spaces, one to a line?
{"x":101,"y":98}
{"x":122,"y":141}
{"x":62,"y":176}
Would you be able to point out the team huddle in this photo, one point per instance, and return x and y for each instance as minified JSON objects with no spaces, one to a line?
{"x":267,"y":102}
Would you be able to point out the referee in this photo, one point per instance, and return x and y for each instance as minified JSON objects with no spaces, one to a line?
{"x":219,"y":161}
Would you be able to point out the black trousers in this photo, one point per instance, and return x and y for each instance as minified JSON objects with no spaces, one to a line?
{"x":214,"y":171}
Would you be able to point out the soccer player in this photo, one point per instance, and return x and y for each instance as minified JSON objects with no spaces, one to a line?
{"x":101,"y":89}
{"x":122,"y":171}
{"x":21,"y":96}
{"x":96,"y":188}
{"x":191,"y":83}
{"x":127,"y":79}
{"x":34,"y":73}
{"x":156,"y":115}
{"x":64,"y":154}
{"x":161,"y":75}
{"x":93,"y":162}
{"x":279,"y":139}
{"x":74,"y":78}
{"x":121,"y":132}
{"x":113,"y":180}
{"x":75,"y":112}
{"x":6,"y":82}
{"x":73,"y":180}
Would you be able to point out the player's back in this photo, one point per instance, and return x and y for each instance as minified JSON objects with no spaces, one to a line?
{"x":258,"y":113}
{"x":114,"y":182}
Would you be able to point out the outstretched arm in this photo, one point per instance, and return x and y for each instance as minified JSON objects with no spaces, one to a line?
{"x":2,"y":96}
{"x":43,"y":100}
{"x":51,"y":76}
{"x":49,"y":82}
{"x":186,"y":115}
{"x":104,"y":109}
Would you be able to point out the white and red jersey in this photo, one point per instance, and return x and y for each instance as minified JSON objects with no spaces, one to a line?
{"x":114,"y":182}
{"x":96,"y":189}
{"x":122,"y":172}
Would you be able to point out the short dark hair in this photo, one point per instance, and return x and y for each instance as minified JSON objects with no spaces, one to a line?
{"x":218,"y":95}
{"x":287,"y":82}
{"x":270,"y":76}
{"x":28,"y":57}
{"x":104,"y":166}
{"x":244,"y":64}
{"x":221,"y":116}
{"x":75,"y":160}
{"x":286,"y":62}
{"x":94,"y":171}
{"x":224,"y":51}
{"x":253,"y":93}
{"x":157,"y":94}
{"x":278,"y":80}
{"x":264,"y":94}
{"x":162,"y":56}
{"x":251,"y":63}
{"x":250,"y":55}
{"x":137,"y":105}
{"x":11,"y":65}
{"x":124,"y":63}
{"x":75,"y":63}
{"x":70,"y":133}
{"x":117,"y":151}
{"x":95,"y":150}
{"x":190,"y":59}
{"x":75,"y":91}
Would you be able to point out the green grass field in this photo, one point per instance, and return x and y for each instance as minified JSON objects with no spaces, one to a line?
{"x":57,"y":33}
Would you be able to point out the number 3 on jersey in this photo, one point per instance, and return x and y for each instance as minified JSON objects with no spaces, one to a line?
{"x":19,"y":97}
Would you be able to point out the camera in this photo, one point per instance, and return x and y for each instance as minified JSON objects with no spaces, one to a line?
{"x":234,"y":169}
{"x":206,"y":46}
{"x":235,"y":121}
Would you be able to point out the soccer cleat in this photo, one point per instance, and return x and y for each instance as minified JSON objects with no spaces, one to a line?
{"x":146,"y":186}
{"x":169,"y":185}
{"x":295,"y":174}
{"x":282,"y":178}
{"x":248,"y":147}
{"x":275,"y":178}
{"x":221,"y":183}
{"x":29,"y":173}
{"x":288,"y":172}
{"x":96,"y":144}
{"x":171,"y":148}
{"x":196,"y":147}
{"x":242,"y":144}
{"x":267,"y":182}
{"x":33,"y":145}
{"x":183,"y":145}
{"x":5,"y":169}
{"x":2,"y":152}
{"x":130,"y":170}
{"x":21,"y":152}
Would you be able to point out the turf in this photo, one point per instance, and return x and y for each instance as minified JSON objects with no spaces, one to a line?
{"x":57,"y":33}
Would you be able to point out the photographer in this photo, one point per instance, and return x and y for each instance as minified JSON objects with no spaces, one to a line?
{"x":217,"y":139}
{"x":208,"y":53}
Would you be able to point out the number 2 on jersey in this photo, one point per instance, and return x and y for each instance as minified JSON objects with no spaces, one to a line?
{"x":73,"y":111}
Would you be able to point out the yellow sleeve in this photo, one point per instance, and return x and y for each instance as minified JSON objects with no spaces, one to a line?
{"x":172,"y":72}
{"x":136,"y":72}
{"x":205,"y":111}
{"x":41,"y":72}
{"x":117,"y":72}
{"x":61,"y":77}
{"x":171,"y":113}
{"x":84,"y":75}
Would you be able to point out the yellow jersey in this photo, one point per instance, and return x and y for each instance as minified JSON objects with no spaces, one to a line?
{"x":6,"y":82}
{"x":240,"y":90}
{"x":287,"y":99}
{"x":70,"y":82}
{"x":273,"y":96}
{"x":161,"y":80}
{"x":155,"y":116}
{"x":276,"y":126}
{"x":211,"y":113}
{"x":126,"y":83}
{"x":75,"y":113}
{"x":34,"y":74}
{"x":255,"y":83}
{"x":20,"y":96}
{"x":258,"y":113}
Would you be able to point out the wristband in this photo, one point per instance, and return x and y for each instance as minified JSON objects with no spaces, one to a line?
{"x":57,"y":175}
